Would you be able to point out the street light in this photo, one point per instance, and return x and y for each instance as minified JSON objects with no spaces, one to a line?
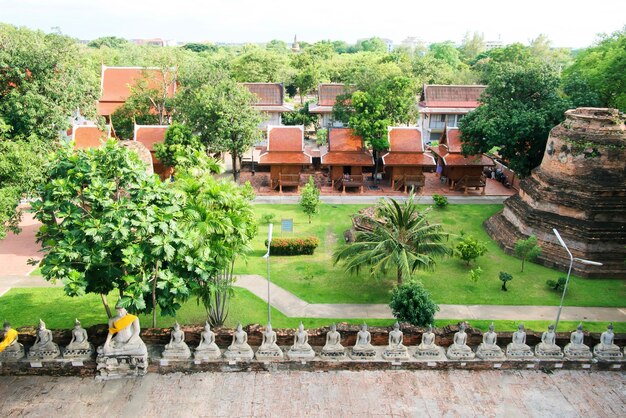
{"x":569,"y":271}
{"x":267,"y":257}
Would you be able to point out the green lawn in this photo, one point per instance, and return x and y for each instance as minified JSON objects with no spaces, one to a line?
{"x":25,"y":307}
{"x":314,"y":279}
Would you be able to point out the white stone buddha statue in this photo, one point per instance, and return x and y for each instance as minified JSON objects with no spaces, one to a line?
{"x":428,"y":349}
{"x":207,"y":348}
{"x":607,"y":349}
{"x":269,"y":349}
{"x":363,"y":349}
{"x":44,"y":347}
{"x":459,"y":350}
{"x":79,"y":346}
{"x":576,"y":349}
{"x":301,"y":350}
{"x":517,"y":348}
{"x":547,"y":348}
{"x":396,"y":350}
{"x":10,"y":348}
{"x":239,"y":348}
{"x":333,"y":350}
{"x":177,"y":348}
{"x":488,"y":349}
{"x":123,"y":338}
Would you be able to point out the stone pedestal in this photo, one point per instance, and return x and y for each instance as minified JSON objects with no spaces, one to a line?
{"x":549,"y":352}
{"x":577,"y":352}
{"x":430,"y":353}
{"x":85,"y":353}
{"x":610,"y":354}
{"x":490,"y":352}
{"x":333,"y":354}
{"x":519,"y":352}
{"x":301,"y":354}
{"x":117,"y":367}
{"x":207,"y":354}
{"x":270,"y":353}
{"x":179,"y":352}
{"x":578,"y":189}
{"x":460,"y":352}
{"x":9,"y":355}
{"x":239,"y":354}
{"x":396,"y":353}
{"x":368,"y":353}
{"x":50,"y":352}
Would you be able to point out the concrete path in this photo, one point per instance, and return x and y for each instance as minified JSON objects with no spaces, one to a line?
{"x":424,"y":393}
{"x":292,"y":306}
{"x":15,"y":250}
{"x":370,"y":200}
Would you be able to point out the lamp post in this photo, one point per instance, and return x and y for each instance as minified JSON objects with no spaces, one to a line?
{"x":267,"y":257}
{"x":569,"y":271}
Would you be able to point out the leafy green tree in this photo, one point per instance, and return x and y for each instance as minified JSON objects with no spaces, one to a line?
{"x":597,"y":76}
{"x":196,"y":47}
{"x":221,"y":114}
{"x":401,"y":239}
{"x":557,"y":284}
{"x":178,"y":140}
{"x":300,"y":116}
{"x":469,"y":249}
{"x":107,"y":225}
{"x":445,"y":51}
{"x":411,"y":303}
{"x":310,"y":198}
{"x":108,"y":41}
{"x":277,"y":46}
{"x":307,"y":75}
{"x":374,"y":44}
{"x":220,"y":223}
{"x":489,"y":62}
{"x":475,"y":274}
{"x":260,"y":65}
{"x":471,"y":46}
{"x":518,"y":109}
{"x":527,"y":249}
{"x":505,"y":277}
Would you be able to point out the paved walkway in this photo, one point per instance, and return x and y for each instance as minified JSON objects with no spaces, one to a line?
{"x":369,"y":200}
{"x":292,"y":306}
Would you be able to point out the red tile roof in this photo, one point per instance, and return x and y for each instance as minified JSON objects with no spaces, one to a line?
{"x":89,"y":136}
{"x":346,"y":148}
{"x":405,"y":139}
{"x":450,"y":150}
{"x":116,"y":82}
{"x":408,"y":158}
{"x":459,"y":159}
{"x":267,"y":93}
{"x":451,"y":96}
{"x":327,"y":96}
{"x":149,"y":135}
{"x":452,"y":139}
{"x":285,"y":146}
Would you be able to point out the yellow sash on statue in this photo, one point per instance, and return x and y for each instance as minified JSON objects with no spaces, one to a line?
{"x":9,"y":337}
{"x":122,"y":323}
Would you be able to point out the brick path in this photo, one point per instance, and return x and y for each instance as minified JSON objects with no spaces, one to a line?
{"x":454,"y":393}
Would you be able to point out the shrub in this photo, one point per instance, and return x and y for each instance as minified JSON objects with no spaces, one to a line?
{"x":474,"y":274}
{"x":412,"y":303}
{"x":310,"y":198}
{"x":322,"y":137}
{"x":293,"y":246}
{"x":557,"y":284}
{"x":527,"y":249}
{"x":469,"y":249}
{"x":440,"y":201}
{"x":505,"y":277}
{"x":267,"y":219}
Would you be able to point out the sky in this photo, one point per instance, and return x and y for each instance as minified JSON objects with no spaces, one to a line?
{"x":572,"y":23}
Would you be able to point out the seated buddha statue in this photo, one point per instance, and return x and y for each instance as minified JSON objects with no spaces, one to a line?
{"x":44,"y":347}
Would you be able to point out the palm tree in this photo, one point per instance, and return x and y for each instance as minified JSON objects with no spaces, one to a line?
{"x":400,"y":238}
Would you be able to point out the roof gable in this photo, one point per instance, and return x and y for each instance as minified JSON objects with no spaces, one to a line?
{"x":345,"y":140}
{"x":285,"y":138}
{"x":116,"y":82}
{"x":268,"y":94}
{"x":327,"y":93}
{"x":405,"y":139}
{"x":452,"y":140}
{"x":149,"y":135}
{"x":89,"y":136}
{"x":434,"y":95}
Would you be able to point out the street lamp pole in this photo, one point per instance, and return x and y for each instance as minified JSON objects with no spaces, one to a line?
{"x":569,"y":271}
{"x":267,"y":256}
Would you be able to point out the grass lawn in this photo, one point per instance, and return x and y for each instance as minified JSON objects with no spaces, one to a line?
{"x":25,"y":307}
{"x":314,"y":278}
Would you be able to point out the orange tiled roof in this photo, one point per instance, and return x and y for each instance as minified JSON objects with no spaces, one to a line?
{"x":267,"y":93}
{"x":451,"y":96}
{"x":459,"y":159}
{"x":405,"y":139}
{"x":89,"y":136}
{"x":450,"y":151}
{"x":327,"y":96}
{"x":452,"y":139}
{"x":285,"y":146}
{"x":149,"y":135}
{"x":116,"y":82}
{"x":408,"y":158}
{"x":346,"y":148}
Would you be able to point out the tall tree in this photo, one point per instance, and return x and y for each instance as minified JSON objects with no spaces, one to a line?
{"x":222,"y":115}
{"x":260,"y":65}
{"x":401,"y":240}
{"x":517,"y":111}
{"x":108,"y":42}
{"x":310,"y":198}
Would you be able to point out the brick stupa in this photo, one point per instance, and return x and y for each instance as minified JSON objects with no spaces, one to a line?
{"x":579,"y":189}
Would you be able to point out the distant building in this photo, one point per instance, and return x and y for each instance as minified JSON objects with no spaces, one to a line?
{"x":413,"y":43}
{"x":149,"y":135}
{"x":89,"y":136}
{"x":388,"y":43}
{"x":442,"y":106}
{"x":326,"y":98}
{"x":493,"y":44}
{"x":271,"y":102}
{"x":155,"y":42}
{"x":295,"y":46}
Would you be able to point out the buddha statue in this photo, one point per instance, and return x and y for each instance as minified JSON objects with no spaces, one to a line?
{"x":607,"y":349}
{"x":363,"y":349}
{"x":44,"y":347}
{"x":395,"y":349}
{"x":427,"y":349}
{"x":269,"y":350}
{"x":123,"y":338}
{"x":207,"y":349}
{"x":333,"y":350}
{"x":576,"y":349}
{"x":79,"y":346}
{"x":177,"y":348}
{"x":10,"y":348}
{"x":547,"y":348}
{"x":239,"y":348}
{"x":517,"y":348}
{"x":488,"y":349}
{"x":459,"y":350}
{"x":301,"y":350}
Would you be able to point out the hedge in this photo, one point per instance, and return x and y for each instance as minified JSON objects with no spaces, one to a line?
{"x":293,"y":246}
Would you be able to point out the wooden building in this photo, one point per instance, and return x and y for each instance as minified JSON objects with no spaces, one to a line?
{"x":89,"y":136}
{"x":326,"y":98}
{"x":405,"y":162}
{"x":285,"y":155}
{"x":460,"y":171}
{"x":271,"y":102}
{"x":149,"y":135}
{"x":346,"y":158}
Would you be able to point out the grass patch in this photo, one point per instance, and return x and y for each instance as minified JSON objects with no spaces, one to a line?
{"x":24,"y":307}
{"x":314,"y":278}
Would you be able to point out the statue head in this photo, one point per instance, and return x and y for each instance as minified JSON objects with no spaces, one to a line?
{"x":520,"y":327}
{"x":42,"y":325}
{"x":551,"y":328}
{"x":492,"y":327}
{"x":610,"y":327}
{"x":579,"y":327}
{"x":430,"y":328}
{"x":207,"y":326}
{"x":333,"y":327}
{"x":301,"y":327}
{"x":269,"y":327}
{"x":396,"y":326}
{"x":176,"y":326}
{"x":239,"y":329}
{"x":76,"y":323}
{"x":462,"y":326}
{"x":7,"y":325}
{"x":364,"y":327}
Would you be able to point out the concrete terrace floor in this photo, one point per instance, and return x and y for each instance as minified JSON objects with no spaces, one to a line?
{"x":453,"y":393}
